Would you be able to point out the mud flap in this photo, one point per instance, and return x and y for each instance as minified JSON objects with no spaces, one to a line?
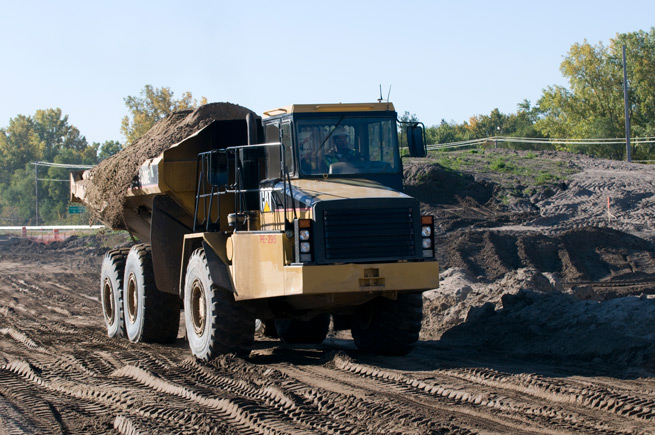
{"x":169,"y":225}
{"x":218,"y":269}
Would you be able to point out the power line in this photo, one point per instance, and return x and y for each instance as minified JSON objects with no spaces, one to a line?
{"x":37,"y":179}
{"x":62,"y":165}
{"x":547,"y":141}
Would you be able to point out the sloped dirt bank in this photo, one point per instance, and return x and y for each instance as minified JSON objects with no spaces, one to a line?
{"x":549,"y":274}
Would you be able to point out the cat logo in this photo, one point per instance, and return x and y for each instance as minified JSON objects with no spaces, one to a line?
{"x":266,"y":199}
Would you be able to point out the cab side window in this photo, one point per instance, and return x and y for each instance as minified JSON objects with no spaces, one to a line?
{"x":288,"y":146}
{"x":272,"y":135}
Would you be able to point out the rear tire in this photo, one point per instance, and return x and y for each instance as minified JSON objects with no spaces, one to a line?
{"x":388,"y":327}
{"x":266,"y":328}
{"x":111,"y":291}
{"x":215,"y":323}
{"x":311,"y":331}
{"x":150,"y":315}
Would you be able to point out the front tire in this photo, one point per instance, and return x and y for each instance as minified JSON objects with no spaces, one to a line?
{"x":150,"y":315}
{"x":215,"y":323}
{"x":388,"y":327}
{"x":111,"y":291}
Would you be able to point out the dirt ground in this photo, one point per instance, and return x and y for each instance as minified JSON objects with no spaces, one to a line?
{"x":544,"y":322}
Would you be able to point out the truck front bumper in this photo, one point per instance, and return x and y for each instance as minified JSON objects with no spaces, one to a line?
{"x":357,"y":278}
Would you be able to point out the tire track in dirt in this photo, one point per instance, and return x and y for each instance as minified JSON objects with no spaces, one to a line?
{"x":20,"y":337}
{"x":26,"y":398}
{"x":623,"y":403}
{"x":270,"y":393}
{"x":447,"y":396}
{"x":247,"y":417}
{"x":500,"y":397}
{"x":14,"y":422}
{"x":585,"y":202}
{"x":383,"y":407}
{"x":194,"y":407}
{"x":119,"y":397}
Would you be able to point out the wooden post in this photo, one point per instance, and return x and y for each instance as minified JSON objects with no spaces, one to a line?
{"x":627,"y":110}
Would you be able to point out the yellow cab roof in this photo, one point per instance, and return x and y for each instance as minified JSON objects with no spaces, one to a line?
{"x":339,"y":107}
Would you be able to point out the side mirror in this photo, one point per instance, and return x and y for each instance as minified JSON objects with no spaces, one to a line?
{"x":415,"y":141}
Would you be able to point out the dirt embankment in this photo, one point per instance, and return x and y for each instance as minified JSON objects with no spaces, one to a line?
{"x":547,"y":270}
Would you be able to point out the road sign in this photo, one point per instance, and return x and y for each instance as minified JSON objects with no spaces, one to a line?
{"x":76,"y":209}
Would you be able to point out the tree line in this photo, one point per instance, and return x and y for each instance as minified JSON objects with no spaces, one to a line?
{"x":590,"y":107}
{"x":47,"y":136}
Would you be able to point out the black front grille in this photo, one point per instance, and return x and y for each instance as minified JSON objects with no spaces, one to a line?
{"x":362,"y":234}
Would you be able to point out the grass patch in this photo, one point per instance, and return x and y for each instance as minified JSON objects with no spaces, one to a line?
{"x":546,"y":178}
{"x":450,"y":162}
{"x":500,"y":164}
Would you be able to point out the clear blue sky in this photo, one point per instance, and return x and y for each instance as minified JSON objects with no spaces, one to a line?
{"x":443,"y":59}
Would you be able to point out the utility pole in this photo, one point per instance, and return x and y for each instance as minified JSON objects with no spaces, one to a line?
{"x":627,"y":110}
{"x":36,"y":193}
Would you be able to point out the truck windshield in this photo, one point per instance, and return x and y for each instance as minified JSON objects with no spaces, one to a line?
{"x":349,"y":146}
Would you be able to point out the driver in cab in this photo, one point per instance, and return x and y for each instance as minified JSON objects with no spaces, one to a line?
{"x":341,"y":152}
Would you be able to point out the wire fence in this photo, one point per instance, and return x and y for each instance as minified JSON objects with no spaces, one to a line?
{"x":531,"y":143}
{"x":47,"y":233}
{"x":62,"y":165}
{"x":495,"y":140}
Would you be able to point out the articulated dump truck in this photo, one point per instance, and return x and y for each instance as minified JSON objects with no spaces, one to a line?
{"x":286,"y":220}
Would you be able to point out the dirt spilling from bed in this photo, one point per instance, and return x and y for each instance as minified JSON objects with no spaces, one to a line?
{"x":108,"y":182}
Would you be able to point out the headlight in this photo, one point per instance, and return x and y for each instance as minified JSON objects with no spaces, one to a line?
{"x":427,"y":243}
{"x":304,"y":235}
{"x":426,"y":231}
{"x":305,"y":247}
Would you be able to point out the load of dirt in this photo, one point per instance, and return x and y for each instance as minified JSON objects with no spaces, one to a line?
{"x":107,"y":183}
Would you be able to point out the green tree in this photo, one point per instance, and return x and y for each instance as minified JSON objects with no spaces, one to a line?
{"x":18,"y":201}
{"x":443,"y":133}
{"x":19,"y":144}
{"x":153,"y":105}
{"x":46,"y":136}
{"x":593,"y":105}
{"x":482,"y":126}
{"x":108,"y":149}
{"x":56,"y":134}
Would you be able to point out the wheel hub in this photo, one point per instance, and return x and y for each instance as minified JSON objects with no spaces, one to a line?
{"x":132,"y":299}
{"x":198,"y":308}
{"x":108,"y":302}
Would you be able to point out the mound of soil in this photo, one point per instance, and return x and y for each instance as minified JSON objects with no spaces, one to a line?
{"x":107,"y":183}
{"x":542,"y":269}
{"x":559,"y":325}
{"x":585,"y":254}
